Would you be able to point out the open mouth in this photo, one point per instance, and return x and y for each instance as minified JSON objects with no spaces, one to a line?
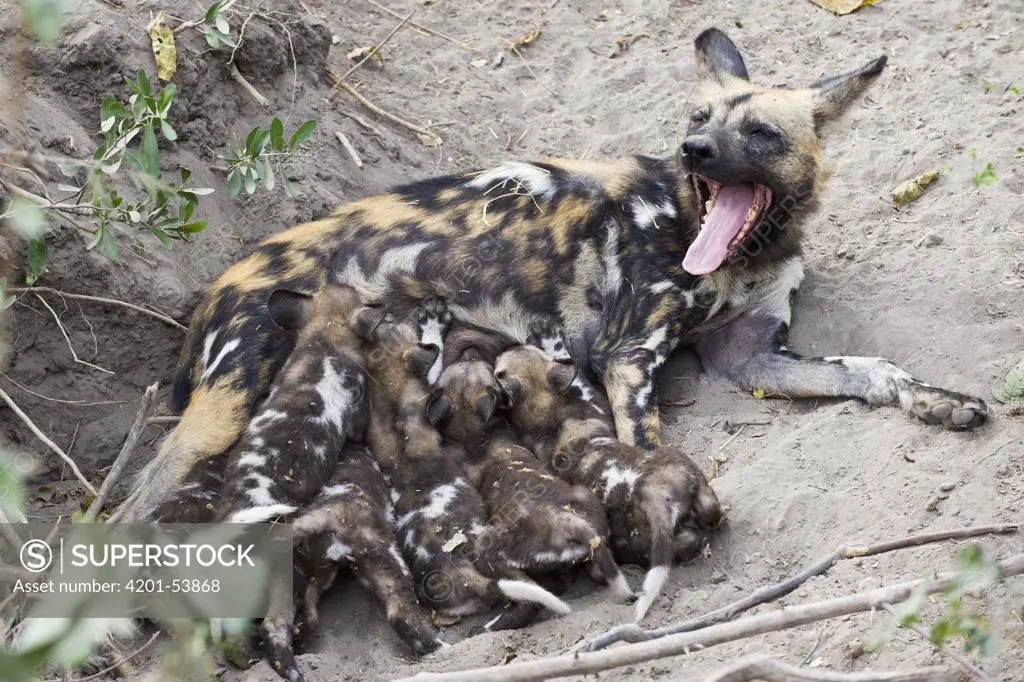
{"x":727,"y":214}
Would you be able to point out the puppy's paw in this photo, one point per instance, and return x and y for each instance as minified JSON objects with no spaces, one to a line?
{"x":434,"y":311}
{"x":933,"y":405}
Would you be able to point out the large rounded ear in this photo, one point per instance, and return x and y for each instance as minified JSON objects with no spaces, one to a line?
{"x":561,"y":375}
{"x":288,"y":309}
{"x":486,"y":404}
{"x":832,"y":96}
{"x":422,"y":358}
{"x":367,"y":319}
{"x":438,"y":407}
{"x":717,"y":58}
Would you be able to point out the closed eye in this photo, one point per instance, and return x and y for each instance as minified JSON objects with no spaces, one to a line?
{"x":700,"y":115}
{"x":765,"y":132}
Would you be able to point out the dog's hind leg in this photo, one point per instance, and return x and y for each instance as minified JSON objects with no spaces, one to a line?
{"x":751,"y":352}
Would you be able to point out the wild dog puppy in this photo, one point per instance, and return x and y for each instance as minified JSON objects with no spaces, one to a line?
{"x":635,"y":256}
{"x":433,"y":500}
{"x":659,"y":503}
{"x":537,"y":523}
{"x":350,"y":525}
{"x":291,"y":445}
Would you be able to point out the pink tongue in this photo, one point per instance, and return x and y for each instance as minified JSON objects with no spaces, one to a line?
{"x":711,"y":246}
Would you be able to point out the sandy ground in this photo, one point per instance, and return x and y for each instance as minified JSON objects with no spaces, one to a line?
{"x":938,"y":287}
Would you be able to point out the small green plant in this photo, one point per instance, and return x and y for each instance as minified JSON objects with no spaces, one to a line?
{"x":1020,"y":153}
{"x":215,"y":25}
{"x":986,"y":176}
{"x":262,"y":157}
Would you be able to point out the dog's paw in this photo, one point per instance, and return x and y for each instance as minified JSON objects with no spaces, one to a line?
{"x":938,"y":406}
{"x":433,"y":319}
{"x":548,"y":335}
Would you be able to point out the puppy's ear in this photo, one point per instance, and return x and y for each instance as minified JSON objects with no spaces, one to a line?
{"x":560,"y":376}
{"x":486,"y":405}
{"x":718,"y":59}
{"x":422,"y":358}
{"x":288,"y":309}
{"x":832,"y":96}
{"x":366,"y":320}
{"x":438,"y":407}
{"x":470,"y":354}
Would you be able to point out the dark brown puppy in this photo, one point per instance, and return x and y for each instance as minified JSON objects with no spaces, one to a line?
{"x":435,"y":505}
{"x":538,"y":523}
{"x":659,"y":503}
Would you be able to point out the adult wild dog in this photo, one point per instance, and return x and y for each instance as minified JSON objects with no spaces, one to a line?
{"x":634,"y":256}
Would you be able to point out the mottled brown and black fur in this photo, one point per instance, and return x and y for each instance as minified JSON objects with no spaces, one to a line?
{"x":659,"y":503}
{"x":598,"y":244}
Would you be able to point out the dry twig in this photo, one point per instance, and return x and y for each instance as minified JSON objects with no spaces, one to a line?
{"x":99,"y":299}
{"x":163,"y":420}
{"x":423,"y":28}
{"x":64,"y":333}
{"x":633,"y":633}
{"x":686,"y":642}
{"x":532,"y":72}
{"x":46,"y":441}
{"x":369,"y":54}
{"x":760,"y":667}
{"x":134,"y":433}
{"x":249,"y":88}
{"x":363,"y":122}
{"x":349,"y":148}
{"x":386,"y":114}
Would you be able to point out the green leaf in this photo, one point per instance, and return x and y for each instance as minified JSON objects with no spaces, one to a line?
{"x":199,"y":191}
{"x":168,"y":131}
{"x":250,"y":143}
{"x":145,"y":87}
{"x":250,"y":181}
{"x":277,"y":133}
{"x":302,"y":134}
{"x":197,"y":226}
{"x":68,"y":167}
{"x":212,"y":37}
{"x":212,"y":12}
{"x":185,"y":174}
{"x":37,"y":252}
{"x":268,"y":177}
{"x":44,"y":18}
{"x":12,"y":493}
{"x":162,"y":235}
{"x":234,"y":183}
{"x":222,"y":25}
{"x":287,"y":184}
{"x":134,"y":216}
{"x":1013,"y":387}
{"x":166,"y":97}
{"x":149,"y":154}
{"x":106,"y":243}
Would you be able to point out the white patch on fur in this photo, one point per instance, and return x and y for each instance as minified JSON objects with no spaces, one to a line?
{"x":260,"y":492}
{"x":646,"y":214}
{"x":610,"y":256}
{"x":432,"y":333}
{"x":252,"y":460}
{"x":520,"y":590}
{"x":653,"y":582}
{"x":392,"y":261}
{"x":549,"y":344}
{"x":337,"y":399}
{"x":489,"y":624}
{"x":566,"y":556}
{"x":656,"y":343}
{"x":888,"y":384}
{"x":662,"y":286}
{"x":615,"y":476}
{"x":329,"y":491}
{"x":620,"y":587}
{"x":264,"y":418}
{"x":440,"y":498}
{"x":225,"y":349}
{"x":422,"y":553}
{"x":397,"y":556}
{"x":506,"y":316}
{"x":261,"y":514}
{"x":338,"y":551}
{"x":516,"y":176}
{"x":774,"y":299}
{"x":208,"y":348}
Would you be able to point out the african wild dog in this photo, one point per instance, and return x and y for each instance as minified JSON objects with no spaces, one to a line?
{"x":349,"y":525}
{"x":537,"y":522}
{"x":636,"y":257}
{"x":434,"y":503}
{"x":659,"y":503}
{"x":291,"y":445}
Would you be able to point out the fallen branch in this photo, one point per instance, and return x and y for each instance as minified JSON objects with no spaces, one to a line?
{"x":963,"y":662}
{"x":64,"y":333}
{"x":634,"y":633}
{"x":349,"y":148}
{"x":374,"y":51}
{"x":134,"y":433}
{"x":170,"y":419}
{"x":683,"y":643}
{"x":99,"y":299}
{"x":423,"y":28}
{"x":386,"y":114}
{"x":363,"y":122}
{"x":248,"y":87}
{"x":760,"y":667}
{"x":46,"y":441}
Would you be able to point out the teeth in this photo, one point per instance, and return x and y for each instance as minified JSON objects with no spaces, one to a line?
{"x":709,"y":204}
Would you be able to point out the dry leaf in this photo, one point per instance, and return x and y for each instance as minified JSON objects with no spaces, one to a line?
{"x":361,"y":53}
{"x":163,"y":47}
{"x":430,"y":140}
{"x":912,"y":189}
{"x":478,"y":63}
{"x":527,"y":38}
{"x":457,"y":539}
{"x":816,"y":663}
{"x":622,"y":43}
{"x":843,"y":6}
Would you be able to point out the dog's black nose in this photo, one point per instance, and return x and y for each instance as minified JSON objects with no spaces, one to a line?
{"x":699,"y":147}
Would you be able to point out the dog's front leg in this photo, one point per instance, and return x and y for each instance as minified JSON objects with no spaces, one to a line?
{"x":751,"y":352}
{"x":630,"y":378}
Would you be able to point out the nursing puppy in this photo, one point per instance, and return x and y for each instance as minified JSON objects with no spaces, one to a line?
{"x":291,"y":445}
{"x":538,"y":523}
{"x":435,"y":505}
{"x":659,"y":503}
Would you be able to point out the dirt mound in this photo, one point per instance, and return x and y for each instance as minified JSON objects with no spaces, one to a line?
{"x":936,"y":287}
